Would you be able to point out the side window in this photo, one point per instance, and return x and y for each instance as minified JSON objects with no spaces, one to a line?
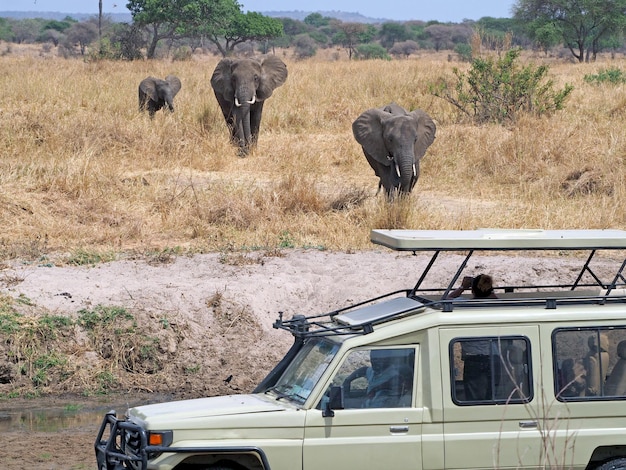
{"x":589,"y":363}
{"x":490,"y":370}
{"x":377,"y":378}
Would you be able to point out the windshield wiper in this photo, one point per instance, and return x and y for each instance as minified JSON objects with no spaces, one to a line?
{"x":280,"y":395}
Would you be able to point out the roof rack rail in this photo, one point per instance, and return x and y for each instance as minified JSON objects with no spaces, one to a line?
{"x":359,"y":318}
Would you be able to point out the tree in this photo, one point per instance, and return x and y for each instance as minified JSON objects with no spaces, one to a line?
{"x":317,"y":20}
{"x":404,"y":48}
{"x":350,"y":35}
{"x":252,"y":26}
{"x":26,"y":30}
{"x":440,"y":35}
{"x":392,"y":32}
{"x":305,"y":46}
{"x":582,"y":24}
{"x":161,"y":17}
{"x":82,"y":34}
{"x":219,"y":21}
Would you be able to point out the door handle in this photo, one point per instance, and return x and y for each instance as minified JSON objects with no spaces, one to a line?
{"x":528,"y":424}
{"x":398,"y":429}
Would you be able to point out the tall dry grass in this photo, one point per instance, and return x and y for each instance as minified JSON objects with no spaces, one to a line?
{"x":81,"y":168}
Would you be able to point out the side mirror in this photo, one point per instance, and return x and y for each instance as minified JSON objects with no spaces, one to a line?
{"x":335,"y":402}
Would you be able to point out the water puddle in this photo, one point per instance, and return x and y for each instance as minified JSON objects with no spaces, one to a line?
{"x":39,"y":418}
{"x":50,"y":420}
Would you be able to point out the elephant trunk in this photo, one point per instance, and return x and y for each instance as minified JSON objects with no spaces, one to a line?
{"x":406,"y":172}
{"x":243,"y":129}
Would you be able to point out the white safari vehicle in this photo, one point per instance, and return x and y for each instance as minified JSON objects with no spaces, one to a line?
{"x":535,"y":378}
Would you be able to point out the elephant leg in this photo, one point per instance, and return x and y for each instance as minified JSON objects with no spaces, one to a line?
{"x":256,"y":111}
{"x":152,"y":108}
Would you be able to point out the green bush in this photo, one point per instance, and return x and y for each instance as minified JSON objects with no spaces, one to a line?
{"x":372,"y":51}
{"x":499,"y":90}
{"x":612,"y":75}
{"x":464,"y":51}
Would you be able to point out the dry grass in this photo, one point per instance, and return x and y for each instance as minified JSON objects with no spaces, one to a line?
{"x":81,"y":168}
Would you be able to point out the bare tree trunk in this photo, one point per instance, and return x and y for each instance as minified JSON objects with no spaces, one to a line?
{"x":100,"y":21}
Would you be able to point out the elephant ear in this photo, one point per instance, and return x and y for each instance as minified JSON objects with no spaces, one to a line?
{"x":174,"y":83}
{"x":148,"y":86}
{"x":273,"y":75}
{"x":368,"y":131}
{"x":221,"y":78}
{"x":425,"y":131}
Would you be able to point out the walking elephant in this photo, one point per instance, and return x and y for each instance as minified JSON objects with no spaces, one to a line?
{"x":241,"y":87}
{"x":155,"y":93}
{"x":394,"y":141}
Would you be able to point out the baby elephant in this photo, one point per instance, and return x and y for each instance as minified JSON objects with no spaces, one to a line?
{"x":155,"y":93}
{"x":394,"y":141}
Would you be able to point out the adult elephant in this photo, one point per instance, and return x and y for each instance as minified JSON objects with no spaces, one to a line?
{"x":155,"y":93}
{"x":394,"y":141}
{"x":241,"y":87}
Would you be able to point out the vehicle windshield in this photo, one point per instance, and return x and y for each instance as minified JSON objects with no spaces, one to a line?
{"x":305,"y":370}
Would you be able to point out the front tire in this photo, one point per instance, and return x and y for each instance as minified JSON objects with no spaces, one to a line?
{"x":615,"y":464}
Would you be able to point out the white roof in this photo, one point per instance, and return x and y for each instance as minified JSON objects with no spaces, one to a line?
{"x":499,"y":239}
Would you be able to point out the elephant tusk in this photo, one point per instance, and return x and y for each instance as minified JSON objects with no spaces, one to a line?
{"x":252,"y":101}
{"x":414,"y":170}
{"x":398,"y":170}
{"x":237,"y":103}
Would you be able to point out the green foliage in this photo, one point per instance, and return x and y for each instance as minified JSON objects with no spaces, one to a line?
{"x":317,"y":20}
{"x":286,"y":240}
{"x":6,"y":32}
{"x":371,"y":51}
{"x":582,"y":25}
{"x":102,"y":316}
{"x":192,"y":369}
{"x":44,"y":364}
{"x":464,"y":51}
{"x":83,"y":257}
{"x":50,"y":325}
{"x":305,"y":46}
{"x":9,"y":323}
{"x":499,"y":90}
{"x":611,"y":75}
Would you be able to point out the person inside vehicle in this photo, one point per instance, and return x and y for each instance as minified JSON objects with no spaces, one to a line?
{"x":481,"y":286}
{"x":386,"y":378}
{"x":389,"y":378}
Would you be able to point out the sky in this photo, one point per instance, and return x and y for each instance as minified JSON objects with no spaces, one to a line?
{"x":401,"y":10}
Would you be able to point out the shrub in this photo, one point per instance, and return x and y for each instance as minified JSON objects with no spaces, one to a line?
{"x":612,"y":75}
{"x":372,"y":51}
{"x":464,"y":51}
{"x":498,"y":90}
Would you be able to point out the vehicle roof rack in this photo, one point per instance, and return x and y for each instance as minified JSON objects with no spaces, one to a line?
{"x":586,"y":288}
{"x":358,"y":318}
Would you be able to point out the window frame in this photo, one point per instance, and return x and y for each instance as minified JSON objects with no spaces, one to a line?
{"x":495,"y":347}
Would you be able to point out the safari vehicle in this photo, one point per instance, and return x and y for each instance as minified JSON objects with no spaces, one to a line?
{"x":412,"y":380}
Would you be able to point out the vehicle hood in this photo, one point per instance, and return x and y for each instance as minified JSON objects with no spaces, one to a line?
{"x":202,"y":408}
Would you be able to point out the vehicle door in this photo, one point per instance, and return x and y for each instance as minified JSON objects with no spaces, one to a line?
{"x":381,"y":423}
{"x":490,"y":408}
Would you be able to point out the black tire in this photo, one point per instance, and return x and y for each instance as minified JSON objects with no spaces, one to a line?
{"x":615,"y":464}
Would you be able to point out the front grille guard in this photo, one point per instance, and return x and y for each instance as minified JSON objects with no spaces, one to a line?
{"x":126,"y":446}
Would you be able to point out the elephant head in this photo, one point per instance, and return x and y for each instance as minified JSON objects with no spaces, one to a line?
{"x":394,"y":141}
{"x":241,"y":87}
{"x":155,"y":93}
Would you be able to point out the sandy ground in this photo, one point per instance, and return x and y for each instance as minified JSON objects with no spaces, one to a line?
{"x":297,"y":281}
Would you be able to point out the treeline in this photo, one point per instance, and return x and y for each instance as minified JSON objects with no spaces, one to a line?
{"x":253,"y":32}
